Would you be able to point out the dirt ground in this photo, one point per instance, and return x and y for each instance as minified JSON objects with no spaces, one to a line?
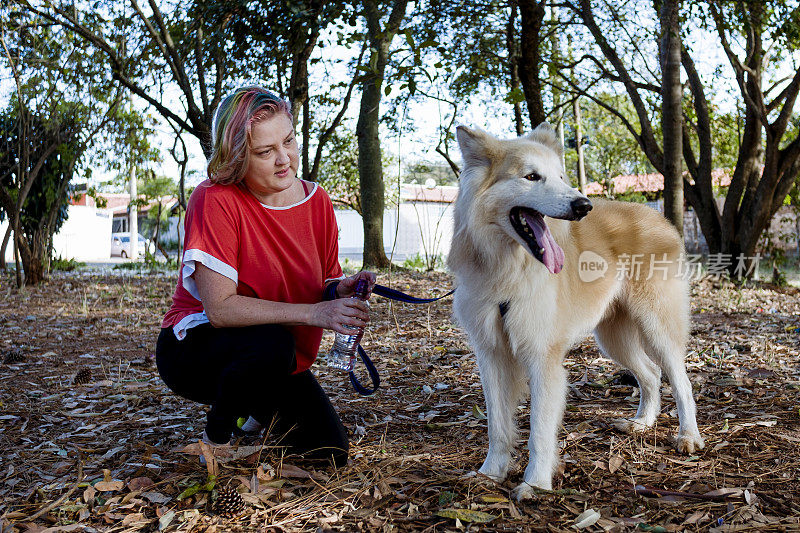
{"x":116,"y":453}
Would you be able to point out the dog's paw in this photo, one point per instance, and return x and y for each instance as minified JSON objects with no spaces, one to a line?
{"x":526,"y":491}
{"x":496,"y":475}
{"x":633,"y":426}
{"x":689,"y":443}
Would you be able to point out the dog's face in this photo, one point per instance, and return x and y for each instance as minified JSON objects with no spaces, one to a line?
{"x":517,"y":182}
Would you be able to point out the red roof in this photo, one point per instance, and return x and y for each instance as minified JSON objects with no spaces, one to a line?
{"x":651,"y":182}
{"x":420,"y":193}
{"x":117,"y":203}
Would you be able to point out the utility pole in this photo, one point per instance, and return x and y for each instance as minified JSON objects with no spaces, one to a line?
{"x":576,"y":108}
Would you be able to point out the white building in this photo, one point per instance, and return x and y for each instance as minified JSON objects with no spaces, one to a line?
{"x":421,"y":225}
{"x":84,"y":236}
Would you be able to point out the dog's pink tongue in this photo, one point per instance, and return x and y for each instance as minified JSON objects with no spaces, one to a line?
{"x":553,"y":255}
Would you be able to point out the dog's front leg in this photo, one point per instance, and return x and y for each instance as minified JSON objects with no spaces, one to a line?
{"x":548,"y":383}
{"x":499,"y":389}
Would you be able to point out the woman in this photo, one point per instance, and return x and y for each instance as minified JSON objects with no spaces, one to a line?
{"x":259,"y":281}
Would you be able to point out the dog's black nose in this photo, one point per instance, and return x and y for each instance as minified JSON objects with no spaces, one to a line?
{"x":581,"y":207}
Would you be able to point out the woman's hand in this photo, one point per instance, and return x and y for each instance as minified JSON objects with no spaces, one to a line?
{"x":336,"y":314}
{"x":347,"y":286}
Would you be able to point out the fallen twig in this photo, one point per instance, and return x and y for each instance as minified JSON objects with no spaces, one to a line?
{"x":558,"y":492}
{"x":47,"y":508}
{"x":650,"y":492}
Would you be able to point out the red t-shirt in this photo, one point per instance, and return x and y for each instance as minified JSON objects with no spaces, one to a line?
{"x":281,"y":254}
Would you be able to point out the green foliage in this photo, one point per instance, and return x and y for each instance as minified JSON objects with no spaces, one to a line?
{"x":130,"y":265}
{"x":424,"y":263}
{"x":422,"y":171}
{"x":150,"y":261}
{"x":149,"y":264}
{"x":160,"y":189}
{"x":338,"y":173}
{"x":610,"y":149}
{"x":170,"y":244}
{"x":62,"y":99}
{"x":416,"y":263}
{"x":44,"y":209}
{"x":65,"y":265}
{"x":635,"y":197}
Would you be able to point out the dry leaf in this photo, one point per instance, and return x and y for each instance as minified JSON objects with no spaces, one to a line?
{"x":105,"y":486}
{"x":614,"y":463}
{"x":725,"y":492}
{"x":211,"y":462}
{"x":587,"y":518}
{"x":140,"y":483}
{"x":466,"y":515}
{"x":287,"y":470}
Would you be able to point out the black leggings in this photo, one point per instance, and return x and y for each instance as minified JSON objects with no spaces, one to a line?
{"x":247,"y":371}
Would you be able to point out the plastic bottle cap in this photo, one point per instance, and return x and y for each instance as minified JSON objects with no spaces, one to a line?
{"x":362,"y":287}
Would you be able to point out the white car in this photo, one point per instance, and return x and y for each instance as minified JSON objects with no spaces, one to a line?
{"x":121,"y":244}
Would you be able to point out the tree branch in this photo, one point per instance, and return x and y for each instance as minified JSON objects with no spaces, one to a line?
{"x":740,"y":68}
{"x":702,"y":168}
{"x":790,"y":94}
{"x":323,"y":139}
{"x":180,"y":72}
{"x":647,"y":138}
{"x":116,"y":64}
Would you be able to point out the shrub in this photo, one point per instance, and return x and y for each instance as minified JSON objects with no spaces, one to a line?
{"x":65,"y":265}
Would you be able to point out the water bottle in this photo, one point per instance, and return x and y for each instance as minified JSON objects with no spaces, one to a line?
{"x":343,"y":353}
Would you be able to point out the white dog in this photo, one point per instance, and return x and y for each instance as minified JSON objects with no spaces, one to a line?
{"x":529,"y":287}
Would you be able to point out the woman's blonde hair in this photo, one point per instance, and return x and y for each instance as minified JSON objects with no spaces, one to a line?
{"x":232,"y":128}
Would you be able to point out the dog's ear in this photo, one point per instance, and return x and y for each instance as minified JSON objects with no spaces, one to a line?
{"x":545,"y":134}
{"x":473,"y":144}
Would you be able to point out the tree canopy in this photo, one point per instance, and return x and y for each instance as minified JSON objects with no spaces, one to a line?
{"x":521,"y":62}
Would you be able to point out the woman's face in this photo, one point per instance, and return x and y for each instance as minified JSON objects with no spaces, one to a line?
{"x":274,"y":157}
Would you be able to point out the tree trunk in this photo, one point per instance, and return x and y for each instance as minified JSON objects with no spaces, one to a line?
{"x":306,"y":141}
{"x":158,"y":234}
{"x":700,"y":195}
{"x":4,"y":246}
{"x":555,"y":90}
{"x":31,"y":254}
{"x":754,"y":195}
{"x":672,"y":112}
{"x":18,"y":273}
{"x":512,"y":45}
{"x":747,"y":171}
{"x":371,"y":175}
{"x":370,"y":168}
{"x":532,"y":15}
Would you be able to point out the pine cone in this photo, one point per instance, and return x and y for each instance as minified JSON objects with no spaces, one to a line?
{"x":13,"y":356}
{"x":229,"y":502}
{"x":83,"y":377}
